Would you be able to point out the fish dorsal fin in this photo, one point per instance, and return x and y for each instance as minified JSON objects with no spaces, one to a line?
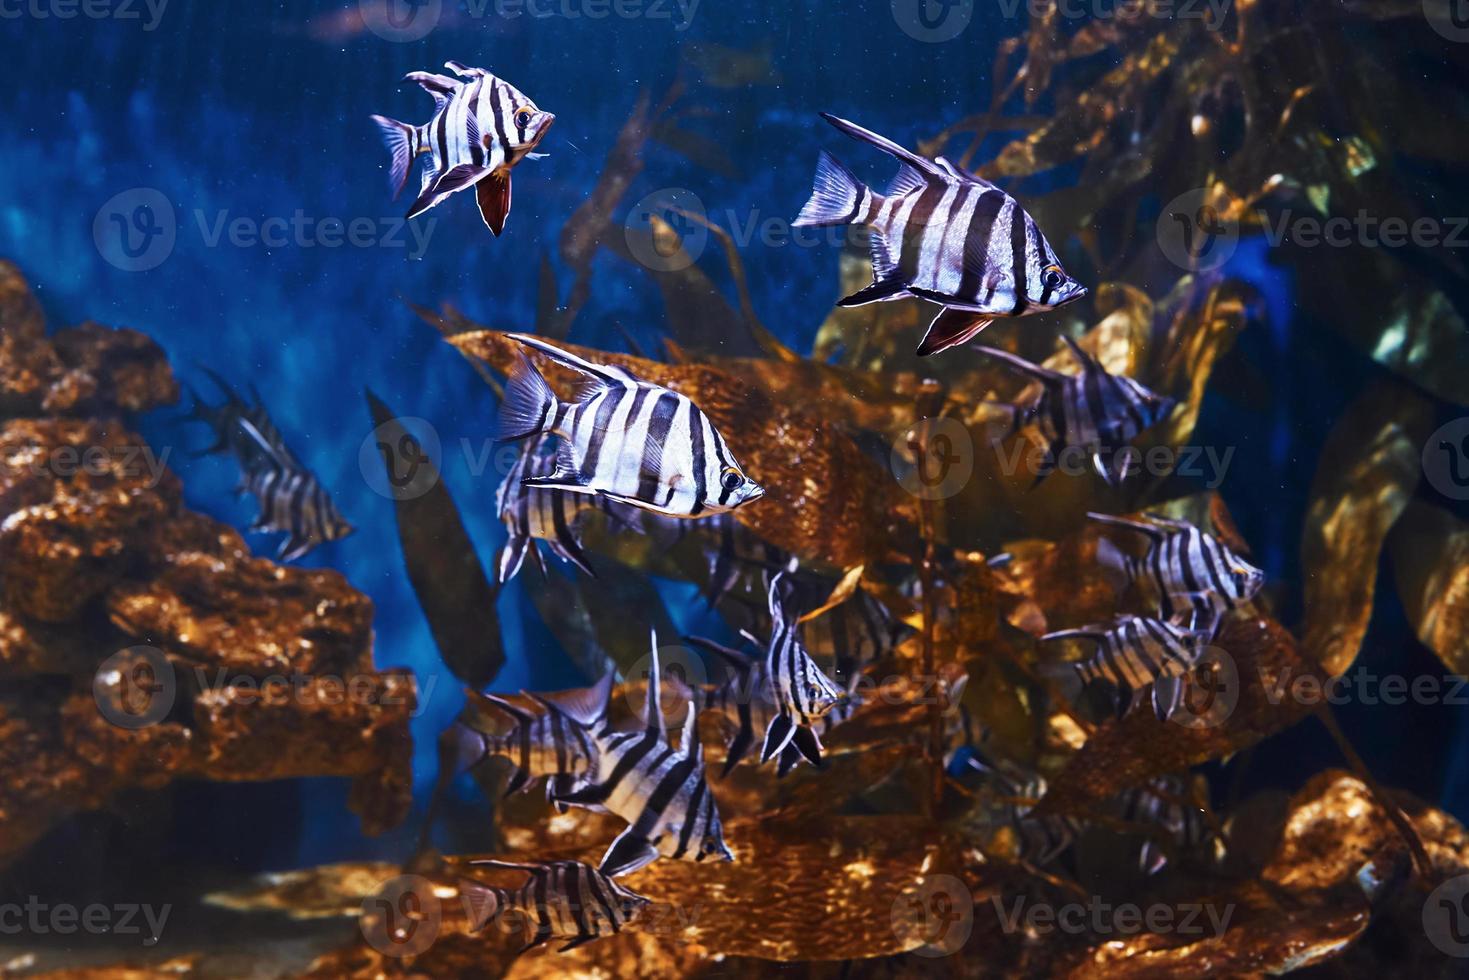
{"x":441,"y":87}
{"x":1023,"y":366}
{"x":1111,"y":520}
{"x":959,"y":173}
{"x":652,"y":709}
{"x":275,"y":452}
{"x":535,"y":869}
{"x":496,"y":703}
{"x":736,"y":659}
{"x":907,"y":181}
{"x":691,"y":747}
{"x":585,"y":706}
{"x":927,"y":168}
{"x":464,"y":71}
{"x":772,"y":600}
{"x":1087,"y":362}
{"x":1080,"y":633}
{"x":567,"y":359}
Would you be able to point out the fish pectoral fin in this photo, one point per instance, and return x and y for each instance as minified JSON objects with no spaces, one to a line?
{"x":456,"y":179}
{"x":878,"y":291}
{"x":494,"y":200}
{"x":782,"y":729}
{"x":951,"y":328}
{"x":628,"y":853}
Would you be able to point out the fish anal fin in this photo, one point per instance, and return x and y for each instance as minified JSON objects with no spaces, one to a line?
{"x":951,"y":328}
{"x":493,"y":194}
{"x":877,"y":292}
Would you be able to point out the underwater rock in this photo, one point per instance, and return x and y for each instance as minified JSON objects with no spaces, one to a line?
{"x":141,"y":642}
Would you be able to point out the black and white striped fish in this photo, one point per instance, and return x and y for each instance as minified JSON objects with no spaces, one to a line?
{"x":224,"y":419}
{"x":532,"y":514}
{"x":1094,"y":412}
{"x":734,"y":552}
{"x":291,"y":499}
{"x":661,"y":791}
{"x":1165,"y":803}
{"x":1135,"y":652}
{"x":1039,"y":840}
{"x":854,"y":634}
{"x":560,"y":900}
{"x":555,"y":743}
{"x":1192,"y":576}
{"x":945,"y":235}
{"x":482,"y":127}
{"x":627,"y":440}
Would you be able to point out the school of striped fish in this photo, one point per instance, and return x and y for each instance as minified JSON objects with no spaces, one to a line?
{"x":646,"y":460}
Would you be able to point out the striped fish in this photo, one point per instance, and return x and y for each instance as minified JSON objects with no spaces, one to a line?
{"x":855,"y":634}
{"x":482,"y":127}
{"x":1039,"y":840}
{"x":1135,"y":652}
{"x":1163,"y":803}
{"x":559,"y":900}
{"x":555,"y":744}
{"x":627,"y":440}
{"x":1096,"y":412}
{"x":224,"y":419}
{"x":1192,"y":576}
{"x":291,"y":499}
{"x":660,"y":791}
{"x":531,"y":514}
{"x":945,"y":235}
{"x":738,"y":553}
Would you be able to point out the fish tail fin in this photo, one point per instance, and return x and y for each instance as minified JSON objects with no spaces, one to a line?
{"x":836,"y":196}
{"x":402,"y":141}
{"x":528,"y":404}
{"x":1116,"y":564}
{"x":481,"y":902}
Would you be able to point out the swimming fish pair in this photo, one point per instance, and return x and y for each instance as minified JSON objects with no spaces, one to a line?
{"x":481,"y":128}
{"x":291,"y":498}
{"x":624,"y":439}
{"x":942,"y":234}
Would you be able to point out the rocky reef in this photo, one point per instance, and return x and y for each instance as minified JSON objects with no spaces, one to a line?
{"x":141,"y":642}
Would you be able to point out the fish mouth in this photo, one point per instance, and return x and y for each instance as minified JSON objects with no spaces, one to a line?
{"x":755,"y":493}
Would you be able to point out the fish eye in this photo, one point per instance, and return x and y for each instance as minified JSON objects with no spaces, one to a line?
{"x":1053,"y":277}
{"x":522,"y":118}
{"x":731,"y":479}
